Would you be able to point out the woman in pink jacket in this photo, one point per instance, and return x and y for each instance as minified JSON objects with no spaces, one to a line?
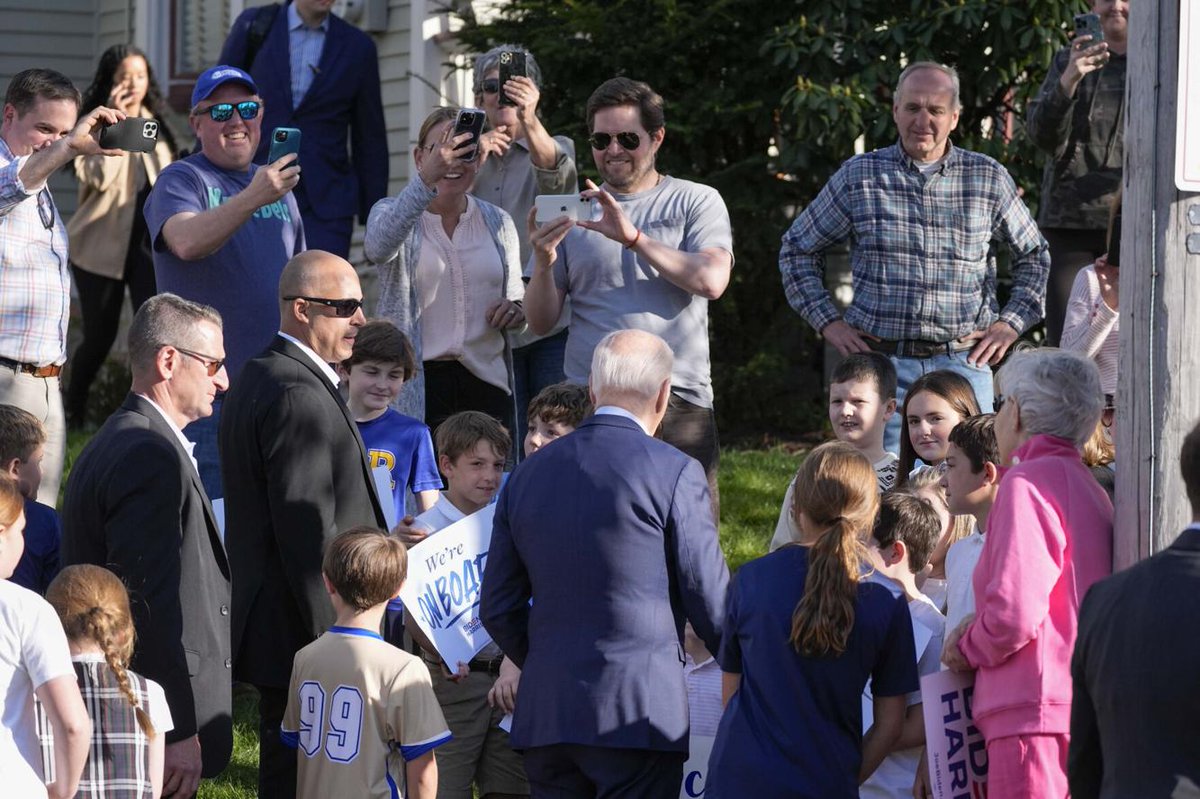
{"x":1049,"y":538}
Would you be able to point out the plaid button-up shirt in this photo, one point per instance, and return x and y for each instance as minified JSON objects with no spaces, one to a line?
{"x":35,"y":281}
{"x":919,"y":247}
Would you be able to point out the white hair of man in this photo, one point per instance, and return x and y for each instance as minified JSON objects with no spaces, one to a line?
{"x":1058,"y":392}
{"x":165,"y":320}
{"x":949,"y":72}
{"x":630,"y":363}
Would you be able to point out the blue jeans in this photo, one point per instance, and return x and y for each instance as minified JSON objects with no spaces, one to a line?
{"x":203,"y":432}
{"x":909,"y":369}
{"x":536,"y":366}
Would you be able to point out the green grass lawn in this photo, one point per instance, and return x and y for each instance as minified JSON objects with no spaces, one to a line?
{"x":752,"y":486}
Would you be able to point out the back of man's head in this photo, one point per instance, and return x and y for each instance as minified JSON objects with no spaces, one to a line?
{"x":31,"y":85}
{"x":164,"y":320}
{"x":1189,"y":466}
{"x":629,"y":369}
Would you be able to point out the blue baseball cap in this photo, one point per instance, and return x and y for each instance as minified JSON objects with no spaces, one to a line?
{"x":214,"y":77}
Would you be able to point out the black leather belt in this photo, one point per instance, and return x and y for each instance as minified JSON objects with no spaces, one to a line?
{"x":489,"y":666}
{"x":53,"y":370}
{"x":917,"y":348}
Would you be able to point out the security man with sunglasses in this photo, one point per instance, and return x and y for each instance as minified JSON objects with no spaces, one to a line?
{"x":660,"y":250}
{"x":223,"y":228}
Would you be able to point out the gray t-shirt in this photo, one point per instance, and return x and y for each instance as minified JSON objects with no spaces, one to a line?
{"x":612,"y":288}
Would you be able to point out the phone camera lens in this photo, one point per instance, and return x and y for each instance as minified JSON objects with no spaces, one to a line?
{"x":280,"y":136}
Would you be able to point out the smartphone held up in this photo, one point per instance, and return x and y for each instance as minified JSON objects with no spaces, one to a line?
{"x":469,"y":120}
{"x":132,"y":134}
{"x":1089,"y":25}
{"x":512,"y":64}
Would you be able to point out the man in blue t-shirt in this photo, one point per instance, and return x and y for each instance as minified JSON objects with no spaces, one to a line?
{"x":223,"y":229}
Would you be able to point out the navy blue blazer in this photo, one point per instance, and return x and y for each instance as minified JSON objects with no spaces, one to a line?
{"x":610,"y":533}
{"x":344,"y":97}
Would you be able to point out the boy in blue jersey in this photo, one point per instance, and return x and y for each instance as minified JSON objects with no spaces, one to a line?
{"x":380,"y":363}
{"x":362,"y":714}
{"x":22,"y":438}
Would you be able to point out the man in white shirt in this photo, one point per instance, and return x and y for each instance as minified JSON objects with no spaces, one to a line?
{"x":135,"y":504}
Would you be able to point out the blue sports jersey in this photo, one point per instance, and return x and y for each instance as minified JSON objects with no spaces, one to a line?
{"x":404,"y":446}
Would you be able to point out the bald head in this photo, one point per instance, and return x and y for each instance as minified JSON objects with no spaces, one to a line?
{"x":631,"y":369}
{"x":313,"y":280}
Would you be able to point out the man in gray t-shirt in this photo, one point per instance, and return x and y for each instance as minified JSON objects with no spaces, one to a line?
{"x":662,"y":249}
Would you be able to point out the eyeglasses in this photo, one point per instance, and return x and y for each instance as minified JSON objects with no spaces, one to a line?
{"x":45,"y":208}
{"x":341,"y":308}
{"x":627,"y":139}
{"x":212,"y":365}
{"x":490,"y":86}
{"x":998,"y":402}
{"x":222,"y":112}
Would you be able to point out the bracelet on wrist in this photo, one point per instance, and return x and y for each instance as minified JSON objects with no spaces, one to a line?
{"x":635,"y":240}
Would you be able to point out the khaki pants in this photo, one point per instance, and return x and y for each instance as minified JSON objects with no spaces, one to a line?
{"x":41,"y":397}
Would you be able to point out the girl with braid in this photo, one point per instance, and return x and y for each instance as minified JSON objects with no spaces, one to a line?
{"x":806,"y":627}
{"x":129,"y":713}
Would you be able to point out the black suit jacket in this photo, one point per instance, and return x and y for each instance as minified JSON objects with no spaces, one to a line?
{"x":296,"y":474}
{"x":135,"y":505}
{"x":1135,"y":716}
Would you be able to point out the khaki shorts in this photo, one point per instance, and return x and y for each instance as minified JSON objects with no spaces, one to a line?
{"x":479,"y":752}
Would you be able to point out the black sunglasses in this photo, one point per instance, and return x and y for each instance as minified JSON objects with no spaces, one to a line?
{"x":222,"y":112}
{"x":45,"y":208}
{"x":341,"y":308}
{"x":213,"y":366}
{"x":627,"y":139}
{"x":490,"y":86}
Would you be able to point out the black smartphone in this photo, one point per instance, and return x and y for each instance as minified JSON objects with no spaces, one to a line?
{"x":1089,"y":25}
{"x":1114,"y":242}
{"x":469,"y":120}
{"x":284,"y":141}
{"x":512,"y":63}
{"x":133,"y":134}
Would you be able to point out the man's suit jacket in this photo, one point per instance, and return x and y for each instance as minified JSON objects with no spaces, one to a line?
{"x":611,"y":533}
{"x":135,"y":505}
{"x":1136,"y":711}
{"x":296,"y":475}
{"x":344,"y":95}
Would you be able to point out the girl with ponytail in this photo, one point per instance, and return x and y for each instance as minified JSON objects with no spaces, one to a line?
{"x":129,"y":713}
{"x":804,"y":632}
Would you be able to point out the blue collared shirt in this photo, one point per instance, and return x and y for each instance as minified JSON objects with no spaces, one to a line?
{"x":920,"y":247}
{"x":304,"y":45}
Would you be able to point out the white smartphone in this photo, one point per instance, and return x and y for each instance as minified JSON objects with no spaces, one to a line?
{"x":552,"y":206}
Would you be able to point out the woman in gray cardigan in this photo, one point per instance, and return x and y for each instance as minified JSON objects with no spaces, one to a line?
{"x":450,"y":278}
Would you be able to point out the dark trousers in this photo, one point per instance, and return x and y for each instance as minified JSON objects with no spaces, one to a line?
{"x":1070,"y":251}
{"x":450,"y":387}
{"x":276,"y":762}
{"x":330,"y":235}
{"x":571,"y":771}
{"x":692,"y":429}
{"x":100,"y":300}
{"x":536,"y":366}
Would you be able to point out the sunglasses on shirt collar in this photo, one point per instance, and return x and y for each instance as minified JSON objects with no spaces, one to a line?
{"x":341,"y":308}
{"x":223,"y":112}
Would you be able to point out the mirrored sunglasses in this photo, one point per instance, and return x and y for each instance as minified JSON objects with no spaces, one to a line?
{"x":223,"y":112}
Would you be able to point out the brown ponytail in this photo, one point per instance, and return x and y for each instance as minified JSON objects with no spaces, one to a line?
{"x":836,"y":491}
{"x":93,"y":606}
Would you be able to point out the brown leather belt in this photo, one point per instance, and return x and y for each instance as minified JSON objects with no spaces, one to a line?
{"x":53,"y":370}
{"x":916,"y":348}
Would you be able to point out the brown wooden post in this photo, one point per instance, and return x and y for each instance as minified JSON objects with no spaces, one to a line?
{"x":1159,"y":385}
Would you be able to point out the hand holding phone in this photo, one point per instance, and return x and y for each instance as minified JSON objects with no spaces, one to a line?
{"x":549,"y":207}
{"x":283,"y":142}
{"x":469,"y":120}
{"x":132,"y":134}
{"x":1089,"y":25}
{"x":512,"y":64}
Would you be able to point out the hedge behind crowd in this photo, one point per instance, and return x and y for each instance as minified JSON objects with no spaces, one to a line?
{"x":763,"y":101}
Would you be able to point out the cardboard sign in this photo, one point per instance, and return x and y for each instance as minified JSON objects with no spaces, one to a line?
{"x":445,"y":572}
{"x":956,"y":750}
{"x":695,"y":770}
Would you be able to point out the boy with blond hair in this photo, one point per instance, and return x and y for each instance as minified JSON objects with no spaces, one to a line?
{"x":22,"y":441}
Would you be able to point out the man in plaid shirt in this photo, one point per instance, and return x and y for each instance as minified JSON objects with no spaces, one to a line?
{"x":39,"y":134}
{"x":920,"y":217}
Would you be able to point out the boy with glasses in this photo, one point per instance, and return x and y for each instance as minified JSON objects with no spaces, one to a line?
{"x":222,"y":229}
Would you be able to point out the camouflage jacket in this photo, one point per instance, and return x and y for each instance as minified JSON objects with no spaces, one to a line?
{"x":1083,"y":137}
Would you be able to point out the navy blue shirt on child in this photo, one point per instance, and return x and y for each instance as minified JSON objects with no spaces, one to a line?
{"x":43,"y":536}
{"x":404,"y":446}
{"x":794,"y":727}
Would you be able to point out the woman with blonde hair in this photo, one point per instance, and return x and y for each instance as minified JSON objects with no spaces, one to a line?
{"x":34,"y":661}
{"x":804,"y":632}
{"x":129,"y":713}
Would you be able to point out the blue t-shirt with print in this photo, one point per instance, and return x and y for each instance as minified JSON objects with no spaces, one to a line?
{"x":404,"y":446}
{"x":240,"y":279}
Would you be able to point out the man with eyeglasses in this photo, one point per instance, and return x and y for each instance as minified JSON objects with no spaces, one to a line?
{"x":134,"y":504}
{"x":662,"y":248}
{"x":296,"y":474}
{"x":222,"y":229}
{"x":39,"y":134}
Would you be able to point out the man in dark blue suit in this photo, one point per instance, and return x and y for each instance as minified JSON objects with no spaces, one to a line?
{"x":610,"y":532}
{"x":320,"y":74}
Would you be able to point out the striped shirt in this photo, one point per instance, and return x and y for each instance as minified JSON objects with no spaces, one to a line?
{"x":304,"y":47}
{"x":920,"y":247}
{"x":35,"y":281}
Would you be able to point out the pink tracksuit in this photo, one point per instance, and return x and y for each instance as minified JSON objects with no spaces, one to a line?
{"x":1049,"y":538}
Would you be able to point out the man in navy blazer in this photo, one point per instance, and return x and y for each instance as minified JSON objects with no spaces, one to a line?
{"x":320,"y":74}
{"x":1134,"y":669}
{"x":610,"y":532}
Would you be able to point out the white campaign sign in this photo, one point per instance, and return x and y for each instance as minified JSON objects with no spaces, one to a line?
{"x":1187,"y":111}
{"x":695,"y":770}
{"x":441,"y":594}
{"x":956,"y":750}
